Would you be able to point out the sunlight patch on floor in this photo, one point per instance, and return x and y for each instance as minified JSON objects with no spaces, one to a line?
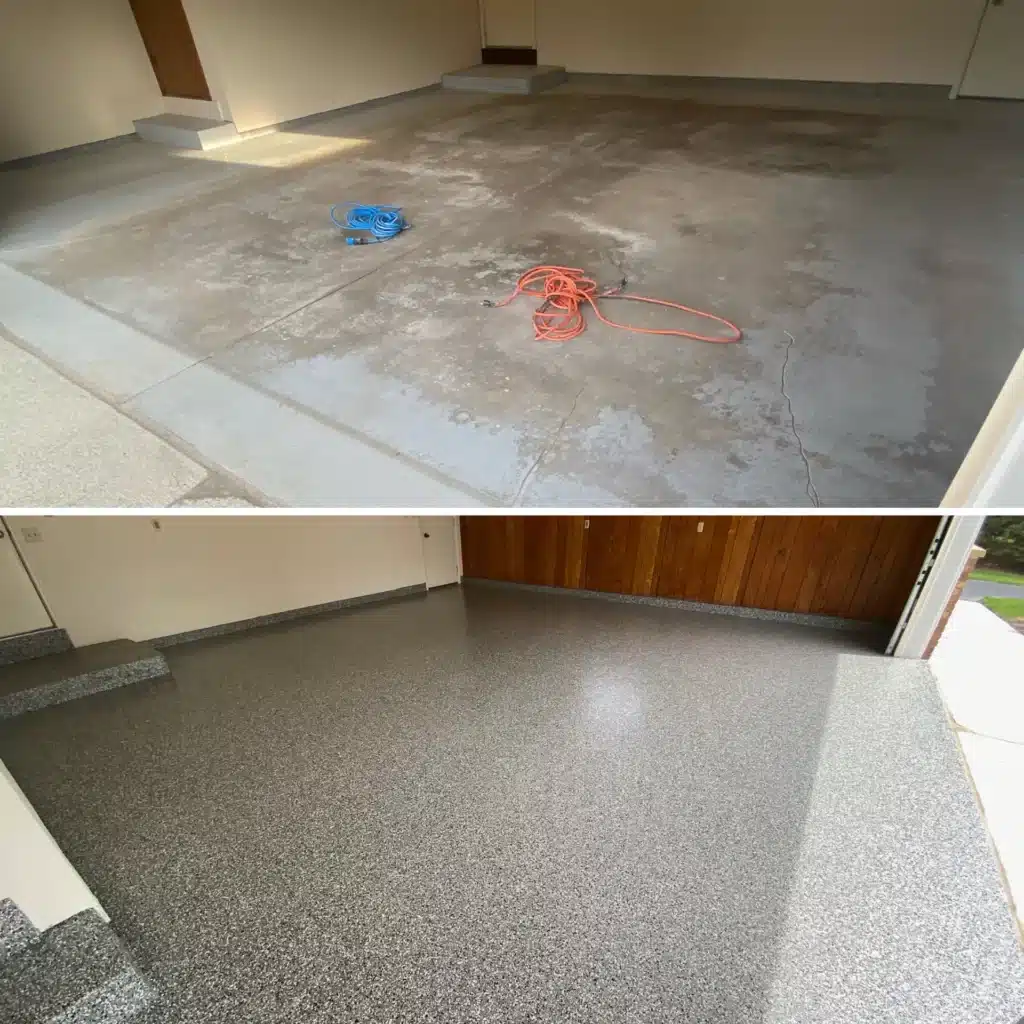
{"x":276,"y":149}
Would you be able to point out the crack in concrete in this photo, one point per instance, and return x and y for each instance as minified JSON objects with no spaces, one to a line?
{"x":547,"y":446}
{"x":811,"y":490}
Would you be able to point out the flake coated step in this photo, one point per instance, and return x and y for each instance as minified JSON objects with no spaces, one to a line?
{"x":57,"y":678}
{"x":16,"y":930}
{"x":77,"y":972}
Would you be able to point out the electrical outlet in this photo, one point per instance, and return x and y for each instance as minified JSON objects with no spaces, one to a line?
{"x":31,"y":535}
{"x":700,"y":526}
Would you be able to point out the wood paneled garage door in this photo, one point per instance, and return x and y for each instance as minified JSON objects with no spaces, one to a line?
{"x":855,"y":567}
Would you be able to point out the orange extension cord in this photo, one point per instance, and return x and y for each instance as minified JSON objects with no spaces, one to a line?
{"x":564,"y":290}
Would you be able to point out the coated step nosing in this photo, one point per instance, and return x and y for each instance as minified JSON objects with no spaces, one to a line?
{"x":82,"y":685}
{"x":36,"y":644}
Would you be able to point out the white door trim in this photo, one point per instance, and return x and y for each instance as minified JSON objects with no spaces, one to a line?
{"x":485,"y":42}
{"x":996,"y":453}
{"x":927,"y":606}
{"x":21,"y":588}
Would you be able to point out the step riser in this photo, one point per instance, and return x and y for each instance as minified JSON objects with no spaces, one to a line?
{"x":26,"y":646}
{"x":81,"y":686}
{"x":521,"y":82}
{"x":121,"y":999}
{"x":16,"y":930}
{"x":77,"y":972}
{"x":180,"y":137}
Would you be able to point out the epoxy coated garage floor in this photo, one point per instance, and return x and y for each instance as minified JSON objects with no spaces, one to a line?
{"x":494,"y":805}
{"x":868,"y":248}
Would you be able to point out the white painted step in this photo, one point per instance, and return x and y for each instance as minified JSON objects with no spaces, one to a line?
{"x":510,"y":78}
{"x":183,"y":131}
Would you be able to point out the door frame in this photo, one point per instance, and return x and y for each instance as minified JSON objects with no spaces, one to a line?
{"x":940,"y":573}
{"x":6,"y":528}
{"x":996,"y":456}
{"x":485,"y":45}
{"x":954,"y":92}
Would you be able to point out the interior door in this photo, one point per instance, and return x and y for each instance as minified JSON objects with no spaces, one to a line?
{"x":440,"y":554}
{"x":167,"y":36}
{"x":996,"y":65}
{"x":509,"y":23}
{"x":21,"y":610}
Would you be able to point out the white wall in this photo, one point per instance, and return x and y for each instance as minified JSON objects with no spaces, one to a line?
{"x":269,"y":61}
{"x":107,"y":577}
{"x":920,"y":41}
{"x":71,"y":71}
{"x":33,"y":871}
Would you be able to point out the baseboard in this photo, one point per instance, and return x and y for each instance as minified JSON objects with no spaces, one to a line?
{"x":508,"y":55}
{"x":352,"y":108}
{"x":795,"y":618}
{"x":306,"y":612}
{"x":54,"y":155}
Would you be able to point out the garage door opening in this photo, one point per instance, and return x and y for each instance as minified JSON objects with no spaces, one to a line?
{"x":842,"y":572}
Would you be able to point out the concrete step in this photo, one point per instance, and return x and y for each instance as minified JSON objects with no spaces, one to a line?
{"x":16,"y":930}
{"x":510,"y":78}
{"x":36,"y":644}
{"x":77,"y":972}
{"x":183,"y":131}
{"x":57,"y":678}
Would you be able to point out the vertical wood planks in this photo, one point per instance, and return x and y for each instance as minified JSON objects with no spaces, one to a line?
{"x":859,"y":567}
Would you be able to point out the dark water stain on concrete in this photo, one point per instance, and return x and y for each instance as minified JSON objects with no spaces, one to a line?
{"x":882,"y":244}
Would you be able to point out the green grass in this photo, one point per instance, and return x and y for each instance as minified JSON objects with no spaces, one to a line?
{"x":998,"y":576}
{"x":1008,"y":608}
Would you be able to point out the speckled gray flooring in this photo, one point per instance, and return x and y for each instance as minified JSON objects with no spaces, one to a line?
{"x":498,"y":806}
{"x":77,"y":972}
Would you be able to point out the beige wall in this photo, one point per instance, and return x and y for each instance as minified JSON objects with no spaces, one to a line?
{"x":105,"y":577}
{"x":71,"y":71}
{"x":270,"y":61}
{"x":921,"y":41}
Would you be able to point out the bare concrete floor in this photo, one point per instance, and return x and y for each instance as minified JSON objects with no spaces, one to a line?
{"x":486,"y":805}
{"x":866,"y":241}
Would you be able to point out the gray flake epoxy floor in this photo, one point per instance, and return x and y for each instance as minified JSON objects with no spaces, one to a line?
{"x":499,"y":806}
{"x":879,"y":234}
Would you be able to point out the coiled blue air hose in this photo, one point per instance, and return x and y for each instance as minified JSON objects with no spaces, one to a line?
{"x":382,"y":222}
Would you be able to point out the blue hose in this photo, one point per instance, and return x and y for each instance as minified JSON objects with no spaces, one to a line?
{"x":382,"y":222}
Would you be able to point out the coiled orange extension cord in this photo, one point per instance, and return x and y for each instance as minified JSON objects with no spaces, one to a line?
{"x":563,"y":292}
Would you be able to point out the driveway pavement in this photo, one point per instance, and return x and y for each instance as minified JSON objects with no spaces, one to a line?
{"x":978,"y":667}
{"x":975,"y":590}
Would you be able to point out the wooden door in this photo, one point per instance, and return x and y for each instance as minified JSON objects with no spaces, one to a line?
{"x":856,"y":567}
{"x":172,"y":51}
{"x":996,"y":65}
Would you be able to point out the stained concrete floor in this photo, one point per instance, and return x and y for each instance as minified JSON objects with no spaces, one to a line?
{"x":865,"y":240}
{"x":489,"y":805}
